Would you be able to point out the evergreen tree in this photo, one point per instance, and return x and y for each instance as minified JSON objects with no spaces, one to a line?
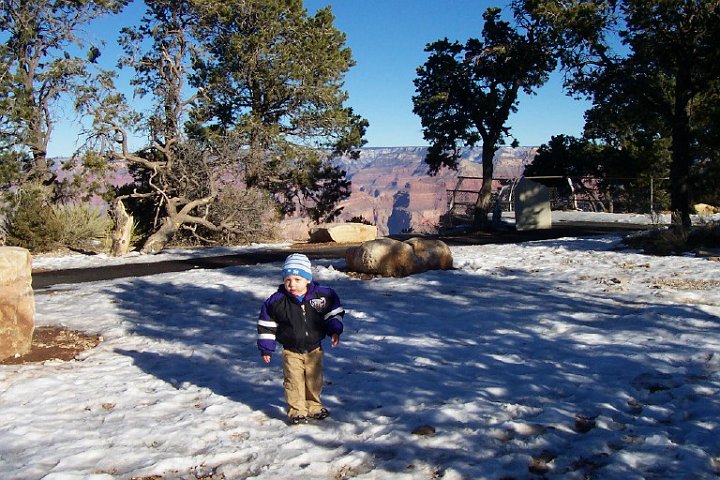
{"x":652,"y":69}
{"x":601,"y":172}
{"x":37,"y":71}
{"x":465,"y":94}
{"x":274,"y":77}
{"x":243,"y":91}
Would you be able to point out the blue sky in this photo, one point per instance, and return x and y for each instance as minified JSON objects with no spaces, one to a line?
{"x":388,"y":38}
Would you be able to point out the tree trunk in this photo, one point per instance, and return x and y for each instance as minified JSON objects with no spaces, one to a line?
{"x":159,"y":239}
{"x":41,"y":168}
{"x":680,"y":164}
{"x":122,"y":232}
{"x":482,"y":205}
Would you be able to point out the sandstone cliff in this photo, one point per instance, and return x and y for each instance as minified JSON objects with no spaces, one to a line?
{"x":392,"y":189}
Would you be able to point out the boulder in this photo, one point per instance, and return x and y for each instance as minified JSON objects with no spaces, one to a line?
{"x":705,"y":210}
{"x":343,"y":233}
{"x":433,"y":254}
{"x":393,"y":258}
{"x":384,"y":256}
{"x":17,"y":304}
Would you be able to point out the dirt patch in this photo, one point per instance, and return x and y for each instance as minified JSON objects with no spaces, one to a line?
{"x":685,"y":284}
{"x":360,"y":275}
{"x":55,"y":343}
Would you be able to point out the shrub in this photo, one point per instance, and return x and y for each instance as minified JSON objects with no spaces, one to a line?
{"x":83,"y":226}
{"x":705,"y":235}
{"x":256,"y":215}
{"x":673,"y":241}
{"x":29,"y":222}
{"x":249,"y":213}
{"x":665,"y":241}
{"x":33,"y":222}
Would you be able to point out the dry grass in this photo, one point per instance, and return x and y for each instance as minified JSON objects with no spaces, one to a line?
{"x":672,"y":241}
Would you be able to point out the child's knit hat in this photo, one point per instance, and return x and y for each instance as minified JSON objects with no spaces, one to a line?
{"x":297,"y":264}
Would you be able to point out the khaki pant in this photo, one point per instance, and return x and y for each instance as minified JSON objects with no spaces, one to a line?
{"x":303,"y":382}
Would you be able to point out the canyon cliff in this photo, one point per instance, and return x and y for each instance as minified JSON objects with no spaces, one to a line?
{"x":391,"y":187}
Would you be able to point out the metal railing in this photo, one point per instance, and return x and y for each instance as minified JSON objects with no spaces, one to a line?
{"x":626,"y":195}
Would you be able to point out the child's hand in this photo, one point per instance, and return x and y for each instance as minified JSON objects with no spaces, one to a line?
{"x":266,"y":358}
{"x":335,"y":340}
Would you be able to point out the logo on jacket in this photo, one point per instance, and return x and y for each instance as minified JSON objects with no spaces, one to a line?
{"x":318,"y":303}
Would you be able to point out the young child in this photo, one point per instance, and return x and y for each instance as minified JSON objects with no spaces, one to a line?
{"x":298,"y":316}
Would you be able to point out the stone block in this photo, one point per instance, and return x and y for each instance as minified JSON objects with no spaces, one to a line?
{"x":15,"y":264}
{"x":17,"y":303}
{"x":532,"y":206}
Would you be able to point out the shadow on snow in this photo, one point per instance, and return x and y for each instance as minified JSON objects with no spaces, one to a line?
{"x":483,"y":359}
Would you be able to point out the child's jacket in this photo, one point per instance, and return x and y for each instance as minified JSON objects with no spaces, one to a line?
{"x":299,"y":326}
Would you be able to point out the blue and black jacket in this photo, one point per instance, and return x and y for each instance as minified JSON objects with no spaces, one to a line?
{"x":298,"y":325}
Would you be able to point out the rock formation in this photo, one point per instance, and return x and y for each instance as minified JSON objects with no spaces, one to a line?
{"x":343,"y":233}
{"x":392,"y":189}
{"x":17,"y":304}
{"x":392,"y":258}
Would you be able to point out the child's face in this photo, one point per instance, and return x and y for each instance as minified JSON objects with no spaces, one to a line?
{"x":296,"y":285}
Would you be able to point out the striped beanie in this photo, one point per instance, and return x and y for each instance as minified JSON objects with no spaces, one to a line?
{"x":297,"y":264}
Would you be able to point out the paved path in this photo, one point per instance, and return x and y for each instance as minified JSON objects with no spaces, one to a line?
{"x":92,"y":274}
{"x":42,"y":280}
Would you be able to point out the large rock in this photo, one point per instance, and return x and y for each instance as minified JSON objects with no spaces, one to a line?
{"x":343,"y":233}
{"x":17,"y":304}
{"x":384,"y":256}
{"x":393,"y":258}
{"x":704,"y":209}
{"x":432,"y":254}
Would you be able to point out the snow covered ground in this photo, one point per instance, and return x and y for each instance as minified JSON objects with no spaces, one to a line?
{"x":569,"y":359}
{"x":79,"y":260}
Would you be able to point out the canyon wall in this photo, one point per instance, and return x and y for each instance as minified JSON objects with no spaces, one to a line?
{"x":392,"y":189}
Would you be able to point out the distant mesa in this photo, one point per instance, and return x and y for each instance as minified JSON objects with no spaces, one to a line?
{"x":392,"y":189}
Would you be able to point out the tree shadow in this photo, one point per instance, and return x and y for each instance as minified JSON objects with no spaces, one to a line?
{"x":499,"y":366}
{"x":506,"y":359}
{"x":214,"y":330}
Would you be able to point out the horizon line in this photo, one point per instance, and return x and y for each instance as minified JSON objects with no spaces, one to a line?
{"x":63,"y":157}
